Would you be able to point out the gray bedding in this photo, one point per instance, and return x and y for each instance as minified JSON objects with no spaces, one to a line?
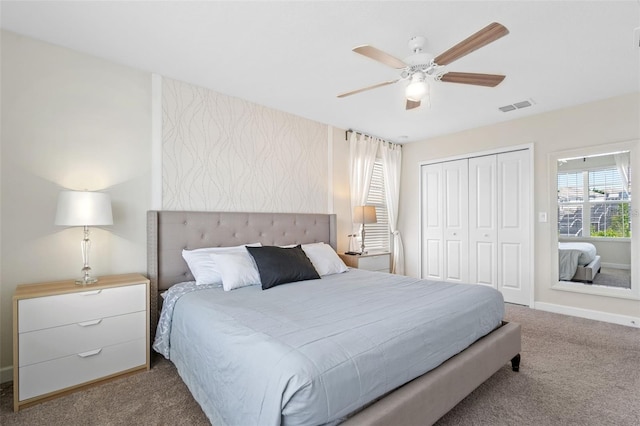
{"x":570,"y":255}
{"x":315,"y":351}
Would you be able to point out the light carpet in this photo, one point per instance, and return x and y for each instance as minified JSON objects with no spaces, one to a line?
{"x":613,"y":278}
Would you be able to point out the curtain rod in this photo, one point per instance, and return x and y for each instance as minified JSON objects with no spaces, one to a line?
{"x":346,"y":136}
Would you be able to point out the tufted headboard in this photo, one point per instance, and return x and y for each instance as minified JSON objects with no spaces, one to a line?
{"x":169,"y":232}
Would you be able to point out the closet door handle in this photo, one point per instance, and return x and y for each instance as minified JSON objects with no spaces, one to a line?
{"x":90,"y":323}
{"x":91,"y":293}
{"x":90,"y":353}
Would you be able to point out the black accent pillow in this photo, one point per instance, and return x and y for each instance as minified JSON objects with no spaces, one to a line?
{"x":281,"y":265}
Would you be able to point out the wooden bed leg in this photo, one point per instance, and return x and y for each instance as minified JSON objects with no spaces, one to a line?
{"x":515,"y":363}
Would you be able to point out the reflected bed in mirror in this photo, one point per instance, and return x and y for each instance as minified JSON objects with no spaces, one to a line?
{"x":578,"y":261}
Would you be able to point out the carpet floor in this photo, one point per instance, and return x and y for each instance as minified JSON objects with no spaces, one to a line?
{"x":613,"y":278}
{"x":574,"y":371}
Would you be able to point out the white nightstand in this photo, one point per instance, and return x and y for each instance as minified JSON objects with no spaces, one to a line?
{"x":380,"y":262}
{"x":68,"y":336}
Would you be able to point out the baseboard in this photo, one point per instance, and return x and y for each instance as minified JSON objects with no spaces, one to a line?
{"x":6,"y":374}
{"x":615,"y":265}
{"x":589,"y":314}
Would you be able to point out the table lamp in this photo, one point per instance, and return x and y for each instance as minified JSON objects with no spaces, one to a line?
{"x":84,"y":208}
{"x":363,"y":215}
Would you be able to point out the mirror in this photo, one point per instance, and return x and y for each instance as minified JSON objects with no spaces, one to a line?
{"x":594,"y":226}
{"x":595,"y":221}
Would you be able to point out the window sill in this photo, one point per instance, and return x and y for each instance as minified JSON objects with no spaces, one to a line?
{"x":596,"y":239}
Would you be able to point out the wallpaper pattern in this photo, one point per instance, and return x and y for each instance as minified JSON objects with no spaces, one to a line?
{"x":227,"y":154}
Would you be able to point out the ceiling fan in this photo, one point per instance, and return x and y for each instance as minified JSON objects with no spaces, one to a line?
{"x":422,"y":66}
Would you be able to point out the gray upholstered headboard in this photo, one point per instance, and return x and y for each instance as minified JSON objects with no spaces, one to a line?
{"x":168,"y":232}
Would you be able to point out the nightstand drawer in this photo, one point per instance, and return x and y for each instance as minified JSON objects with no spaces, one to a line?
{"x":374,"y":262}
{"x":62,"y":309}
{"x":67,"y":337}
{"x":42,"y":378}
{"x":52,"y":343}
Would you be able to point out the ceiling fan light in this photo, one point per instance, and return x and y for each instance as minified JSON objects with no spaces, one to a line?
{"x":417,"y":89}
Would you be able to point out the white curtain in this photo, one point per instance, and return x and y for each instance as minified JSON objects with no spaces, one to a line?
{"x":392,"y":165}
{"x":363,"y":150}
{"x":622,"y":163}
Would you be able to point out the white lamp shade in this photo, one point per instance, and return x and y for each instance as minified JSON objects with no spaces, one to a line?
{"x":418,"y":88}
{"x":364,"y":214}
{"x":83,"y":208}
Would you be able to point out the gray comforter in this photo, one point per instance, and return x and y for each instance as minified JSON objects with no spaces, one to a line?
{"x":568,"y":263}
{"x":312,"y":352}
{"x":570,"y":255}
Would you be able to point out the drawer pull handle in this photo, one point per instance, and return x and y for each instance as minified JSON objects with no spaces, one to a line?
{"x":89,"y":323}
{"x":91,"y":293}
{"x":90,"y":353}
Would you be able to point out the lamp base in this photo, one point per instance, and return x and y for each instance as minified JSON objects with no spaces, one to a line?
{"x":86,"y":280}
{"x":362,"y":250}
{"x":85,"y":245}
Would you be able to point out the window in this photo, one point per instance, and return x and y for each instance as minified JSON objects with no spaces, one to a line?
{"x":594,"y":203}
{"x":570,"y":203}
{"x":377,"y":234}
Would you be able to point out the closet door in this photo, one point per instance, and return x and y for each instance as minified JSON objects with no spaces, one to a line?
{"x":431,"y":226}
{"x":513,"y":226}
{"x":455,"y":216}
{"x":445,"y":221}
{"x":483,"y":238}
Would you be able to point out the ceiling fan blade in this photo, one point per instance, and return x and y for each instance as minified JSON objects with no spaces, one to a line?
{"x":488,"y":80}
{"x":353,"y":92}
{"x":380,"y":56}
{"x":412,"y":104}
{"x":488,"y":34}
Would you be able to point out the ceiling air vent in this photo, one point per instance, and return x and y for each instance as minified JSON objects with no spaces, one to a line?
{"x":517,"y":105}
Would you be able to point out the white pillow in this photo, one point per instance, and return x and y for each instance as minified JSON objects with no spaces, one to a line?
{"x":324,"y":259}
{"x":202,"y":266}
{"x":237,"y":269}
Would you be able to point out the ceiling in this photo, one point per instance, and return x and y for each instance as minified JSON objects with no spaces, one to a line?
{"x":296,"y":56}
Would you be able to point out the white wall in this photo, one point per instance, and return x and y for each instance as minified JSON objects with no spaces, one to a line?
{"x":68,"y":121}
{"x":341,"y":196}
{"x":228,"y":154}
{"x":598,"y":123}
{"x":224,"y":153}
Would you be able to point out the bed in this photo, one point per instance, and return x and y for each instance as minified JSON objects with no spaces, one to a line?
{"x":578,"y":261}
{"x":416,"y":398}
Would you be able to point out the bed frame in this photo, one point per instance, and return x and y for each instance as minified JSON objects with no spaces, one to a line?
{"x":422,"y":401}
{"x":587,"y":273}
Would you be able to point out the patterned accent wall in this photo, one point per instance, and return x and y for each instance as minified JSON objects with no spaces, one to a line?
{"x":227,"y":154}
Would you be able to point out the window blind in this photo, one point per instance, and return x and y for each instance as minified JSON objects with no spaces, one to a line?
{"x":570,"y":187}
{"x":606,"y":184}
{"x":603,"y":212}
{"x":377,"y":234}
